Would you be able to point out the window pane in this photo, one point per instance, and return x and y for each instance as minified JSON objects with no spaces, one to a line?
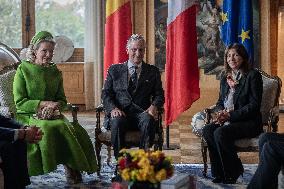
{"x":11,"y":23}
{"x":62,"y":17}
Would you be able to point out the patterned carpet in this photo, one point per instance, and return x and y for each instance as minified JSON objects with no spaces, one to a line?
{"x":187,"y":159}
{"x":57,"y":179}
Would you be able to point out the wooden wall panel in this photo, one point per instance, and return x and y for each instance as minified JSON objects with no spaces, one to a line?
{"x":268,"y":35}
{"x":73,"y":81}
{"x":274,"y":35}
{"x":280,"y":50}
{"x":143,"y":23}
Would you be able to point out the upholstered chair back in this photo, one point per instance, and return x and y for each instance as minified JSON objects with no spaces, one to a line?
{"x":270,"y":99}
{"x":9,"y":60}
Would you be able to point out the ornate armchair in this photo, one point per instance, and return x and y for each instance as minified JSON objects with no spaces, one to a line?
{"x":9,"y":61}
{"x":132,"y":138}
{"x":270,"y":116}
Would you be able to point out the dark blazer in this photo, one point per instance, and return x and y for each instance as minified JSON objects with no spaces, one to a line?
{"x":247,"y":98}
{"x":7,"y":129}
{"x":149,"y":88}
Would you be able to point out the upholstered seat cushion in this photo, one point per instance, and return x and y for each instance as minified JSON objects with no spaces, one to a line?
{"x":247,"y":142}
{"x":7,"y":105}
{"x":198,"y":122}
{"x":105,"y":135}
{"x":130,"y":136}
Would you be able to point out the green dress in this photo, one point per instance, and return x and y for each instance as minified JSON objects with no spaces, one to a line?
{"x":63,"y":142}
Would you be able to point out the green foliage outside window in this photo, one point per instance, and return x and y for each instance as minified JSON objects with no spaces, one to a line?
{"x":62,"y":19}
{"x":10,"y":22}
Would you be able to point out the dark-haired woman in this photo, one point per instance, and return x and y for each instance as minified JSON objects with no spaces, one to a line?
{"x":238,"y":114}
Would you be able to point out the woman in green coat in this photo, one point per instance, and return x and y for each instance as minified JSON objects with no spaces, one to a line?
{"x":39,"y":98}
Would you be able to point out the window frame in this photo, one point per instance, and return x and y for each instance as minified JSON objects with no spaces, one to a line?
{"x":28,"y":30}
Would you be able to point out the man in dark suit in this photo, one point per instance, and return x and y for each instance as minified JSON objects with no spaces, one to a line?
{"x":271,"y":158}
{"x":13,"y":152}
{"x":131,"y":96}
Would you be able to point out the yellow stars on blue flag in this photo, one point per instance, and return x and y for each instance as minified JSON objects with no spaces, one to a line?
{"x":237,"y":27}
{"x":244,"y":35}
{"x":224,"y":17}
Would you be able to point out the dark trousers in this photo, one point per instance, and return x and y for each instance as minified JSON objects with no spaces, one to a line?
{"x":133,"y":121}
{"x":271,"y":151}
{"x":14,"y":165}
{"x":224,"y":159}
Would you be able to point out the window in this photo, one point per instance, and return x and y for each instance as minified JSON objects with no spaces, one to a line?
{"x":10,"y":22}
{"x":61,"y":17}
{"x":23,"y":18}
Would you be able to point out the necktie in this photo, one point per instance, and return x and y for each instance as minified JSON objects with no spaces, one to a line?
{"x":133,"y":81}
{"x":134,"y":76}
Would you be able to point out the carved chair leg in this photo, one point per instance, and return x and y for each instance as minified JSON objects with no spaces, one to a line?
{"x":108,"y":154}
{"x":160,"y":135}
{"x":156,"y":147}
{"x":98,"y":146}
{"x":204,"y":156}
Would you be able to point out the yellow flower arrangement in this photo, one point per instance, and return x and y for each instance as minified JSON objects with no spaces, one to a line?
{"x":144,"y":166}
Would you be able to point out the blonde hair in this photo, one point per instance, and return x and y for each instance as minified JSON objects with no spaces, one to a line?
{"x":30,"y":54}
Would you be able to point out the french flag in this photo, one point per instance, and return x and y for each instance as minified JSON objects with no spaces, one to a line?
{"x":182,"y":73}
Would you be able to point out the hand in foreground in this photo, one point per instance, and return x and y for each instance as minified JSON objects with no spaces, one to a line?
{"x":116,"y":113}
{"x":31,"y":134}
{"x":153,"y":111}
{"x":222,"y":117}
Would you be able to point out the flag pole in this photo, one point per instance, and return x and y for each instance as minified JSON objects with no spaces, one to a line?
{"x":182,"y":85}
{"x":167,"y":146}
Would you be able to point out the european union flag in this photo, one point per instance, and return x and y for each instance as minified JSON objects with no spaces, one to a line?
{"x":237,"y":23}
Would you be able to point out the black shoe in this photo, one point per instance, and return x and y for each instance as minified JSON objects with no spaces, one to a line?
{"x":217,"y":180}
{"x":233,"y":179}
{"x":116,"y":178}
{"x":230,"y":180}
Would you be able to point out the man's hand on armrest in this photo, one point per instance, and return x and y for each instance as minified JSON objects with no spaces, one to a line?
{"x":153,"y":111}
{"x":31,"y":134}
{"x":116,"y":113}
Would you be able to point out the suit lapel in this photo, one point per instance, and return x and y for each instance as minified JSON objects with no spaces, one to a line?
{"x":124,"y":74}
{"x":226,"y":90}
{"x":124,"y":78}
{"x":142,"y":75}
{"x":239,"y":87}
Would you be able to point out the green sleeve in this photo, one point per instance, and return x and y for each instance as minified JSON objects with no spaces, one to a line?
{"x":22,"y":101}
{"x":60,"y":95}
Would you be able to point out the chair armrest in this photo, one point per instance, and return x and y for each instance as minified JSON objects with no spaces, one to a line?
{"x":74,"y":109}
{"x":209,"y":114}
{"x":99,"y":108}
{"x":273,"y":119}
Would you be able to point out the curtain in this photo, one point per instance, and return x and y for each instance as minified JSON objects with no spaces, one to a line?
{"x":93,"y":52}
